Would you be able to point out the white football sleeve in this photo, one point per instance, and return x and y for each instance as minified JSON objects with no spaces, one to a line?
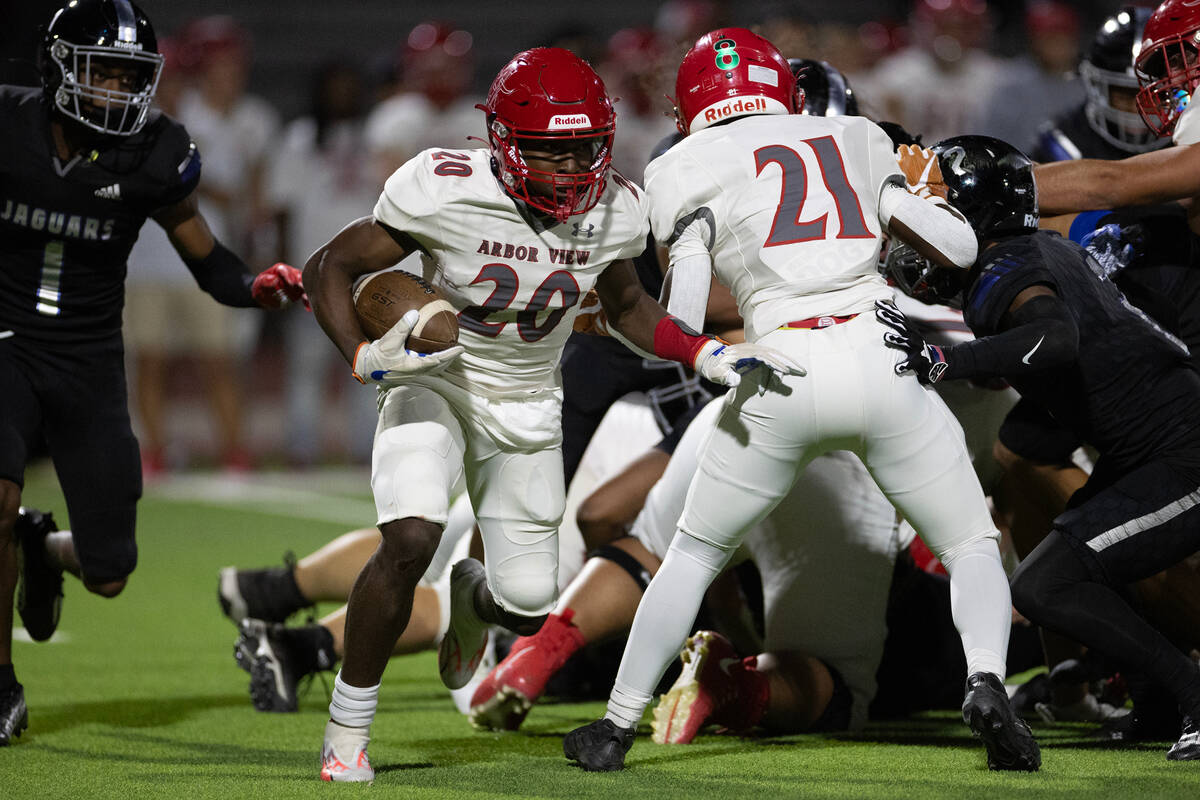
{"x":933,"y":224}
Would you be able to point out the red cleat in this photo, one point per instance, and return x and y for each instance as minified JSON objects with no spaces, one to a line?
{"x":716,"y":686}
{"x":505,"y":696}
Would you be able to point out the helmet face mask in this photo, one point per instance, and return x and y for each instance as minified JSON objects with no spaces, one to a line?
{"x":1168,"y":66}
{"x":921,"y":279}
{"x":729,"y":73}
{"x":101,"y":66}
{"x":550,"y":103}
{"x":1107,"y":74}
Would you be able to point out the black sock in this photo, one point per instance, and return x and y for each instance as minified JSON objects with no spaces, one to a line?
{"x":8,"y":676}
{"x":312,"y":648}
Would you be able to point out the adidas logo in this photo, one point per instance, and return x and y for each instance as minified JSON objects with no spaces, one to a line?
{"x":110,"y":192}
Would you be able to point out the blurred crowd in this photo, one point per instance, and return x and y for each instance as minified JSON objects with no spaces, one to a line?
{"x":276,"y":190}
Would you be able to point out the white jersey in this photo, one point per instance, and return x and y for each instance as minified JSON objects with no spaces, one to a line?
{"x":516,"y":285}
{"x":788,"y":207}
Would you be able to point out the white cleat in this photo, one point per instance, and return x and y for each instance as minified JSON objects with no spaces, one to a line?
{"x":463,"y":646}
{"x":344,"y":754}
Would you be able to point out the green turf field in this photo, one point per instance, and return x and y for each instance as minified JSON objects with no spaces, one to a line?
{"x":141,"y":698}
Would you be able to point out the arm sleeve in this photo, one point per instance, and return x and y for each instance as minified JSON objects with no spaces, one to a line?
{"x":931,"y":222}
{"x":224,"y":276}
{"x":1039,"y":335}
{"x":691,"y":270}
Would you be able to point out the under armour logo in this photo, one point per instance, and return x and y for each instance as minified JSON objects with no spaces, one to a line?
{"x":579,"y":230}
{"x":110,"y":192}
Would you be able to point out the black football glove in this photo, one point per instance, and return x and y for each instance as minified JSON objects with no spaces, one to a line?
{"x":926,"y":360}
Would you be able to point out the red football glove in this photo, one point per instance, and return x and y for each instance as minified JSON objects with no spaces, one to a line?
{"x":279,"y":286}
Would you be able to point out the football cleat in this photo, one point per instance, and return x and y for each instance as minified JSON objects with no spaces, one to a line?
{"x":14,"y":717}
{"x":262,"y":651}
{"x":39,"y":598}
{"x":462,"y":647}
{"x":599,"y":746}
{"x":1188,"y":746}
{"x":987,"y":711}
{"x":707,"y":690}
{"x":462,"y":697}
{"x":268,"y":594}
{"x":505,"y":696}
{"x":344,"y":754}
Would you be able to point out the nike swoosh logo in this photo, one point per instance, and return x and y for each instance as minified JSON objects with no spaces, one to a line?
{"x":725,"y":663}
{"x":1025,"y":360}
{"x":6,"y":334}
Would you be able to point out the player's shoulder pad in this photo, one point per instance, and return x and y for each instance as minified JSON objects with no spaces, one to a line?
{"x":172,"y":162}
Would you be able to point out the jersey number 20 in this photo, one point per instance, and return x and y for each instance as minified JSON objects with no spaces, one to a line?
{"x":787,"y":227}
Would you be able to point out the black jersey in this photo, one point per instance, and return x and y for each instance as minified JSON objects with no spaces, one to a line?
{"x":1130,"y":393}
{"x":1070,"y":137}
{"x":66,"y":229}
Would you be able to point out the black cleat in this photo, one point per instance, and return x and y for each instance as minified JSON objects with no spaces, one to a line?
{"x":39,"y":596}
{"x":1188,"y":746}
{"x":268,"y":594}
{"x":14,"y":717}
{"x":599,"y":746}
{"x":987,"y":711}
{"x":262,"y":651}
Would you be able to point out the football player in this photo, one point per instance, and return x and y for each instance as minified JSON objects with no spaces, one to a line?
{"x":1050,"y":323}
{"x":515,"y":234}
{"x":86,"y":161}
{"x":1168,"y":72}
{"x":739,"y":196}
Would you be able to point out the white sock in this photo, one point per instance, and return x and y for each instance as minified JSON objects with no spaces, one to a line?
{"x":352,"y":706}
{"x":981,"y":604}
{"x":664,"y":619}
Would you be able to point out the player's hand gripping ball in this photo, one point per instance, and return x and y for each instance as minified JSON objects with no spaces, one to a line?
{"x":410,"y":326}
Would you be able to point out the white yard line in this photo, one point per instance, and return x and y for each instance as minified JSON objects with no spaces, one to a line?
{"x":285,"y":495}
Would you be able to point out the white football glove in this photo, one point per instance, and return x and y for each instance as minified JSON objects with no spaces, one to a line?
{"x":727,"y":363}
{"x":386,"y":360}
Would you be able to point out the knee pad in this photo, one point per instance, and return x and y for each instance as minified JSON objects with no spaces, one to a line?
{"x":525,"y":584}
{"x":413,"y":468}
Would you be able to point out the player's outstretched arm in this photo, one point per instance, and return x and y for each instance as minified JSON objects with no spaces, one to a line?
{"x":1160,"y":176}
{"x":221,"y":272}
{"x":643,"y":323}
{"x":1038,"y":333}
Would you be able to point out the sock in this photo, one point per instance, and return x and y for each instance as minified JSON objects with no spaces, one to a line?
{"x":980,"y":604}
{"x":289,"y":590}
{"x":8,"y":677}
{"x":663,"y":620}
{"x":312,"y":648}
{"x":352,"y":706}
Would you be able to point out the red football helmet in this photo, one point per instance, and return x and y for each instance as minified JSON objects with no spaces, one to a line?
{"x":1168,"y":66}
{"x":731,"y":72}
{"x":543,"y":95}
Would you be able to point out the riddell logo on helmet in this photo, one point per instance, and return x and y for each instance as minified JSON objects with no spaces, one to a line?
{"x":569,"y":121}
{"x":740,"y":106}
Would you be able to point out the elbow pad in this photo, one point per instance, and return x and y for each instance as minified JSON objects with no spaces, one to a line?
{"x":933,"y":222}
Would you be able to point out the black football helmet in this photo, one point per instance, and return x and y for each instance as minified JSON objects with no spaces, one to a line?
{"x":826,"y":92}
{"x":921,"y":279}
{"x":991,"y":183}
{"x":107,"y":36}
{"x":1108,"y":65}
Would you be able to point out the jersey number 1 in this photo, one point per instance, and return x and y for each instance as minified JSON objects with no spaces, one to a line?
{"x":49,"y":290}
{"x":787,"y":227}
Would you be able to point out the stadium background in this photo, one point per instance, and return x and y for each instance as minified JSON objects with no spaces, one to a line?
{"x":289,"y":38}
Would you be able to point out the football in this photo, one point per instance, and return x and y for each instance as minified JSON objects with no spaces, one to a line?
{"x":383,"y":298}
